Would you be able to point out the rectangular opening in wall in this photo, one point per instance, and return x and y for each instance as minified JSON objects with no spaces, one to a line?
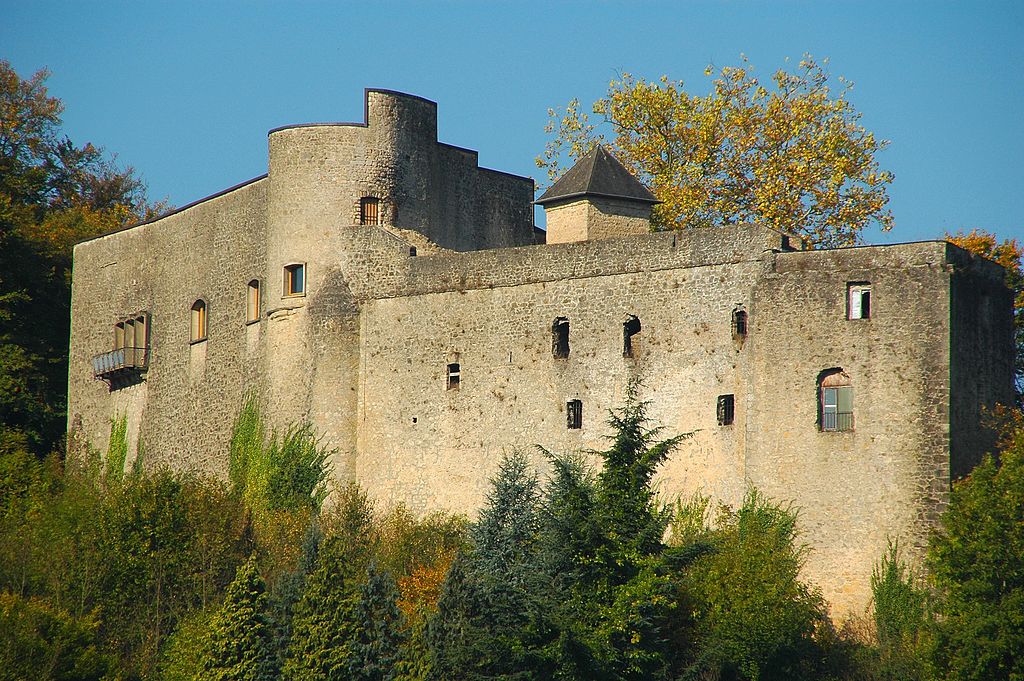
{"x":574,"y":414}
{"x":726,"y":410}
{"x":858,"y":300}
{"x":739,"y":324}
{"x":295,"y":280}
{"x":560,"y":337}
{"x":369,"y":210}
{"x":630,"y":336}
{"x":252,"y":301}
{"x":454,"y":377}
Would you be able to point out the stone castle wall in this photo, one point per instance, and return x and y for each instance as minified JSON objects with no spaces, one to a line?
{"x":450,"y":278}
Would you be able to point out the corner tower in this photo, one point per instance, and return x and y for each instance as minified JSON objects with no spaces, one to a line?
{"x":598,"y":198}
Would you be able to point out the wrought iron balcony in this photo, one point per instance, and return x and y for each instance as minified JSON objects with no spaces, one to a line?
{"x":122,"y":362}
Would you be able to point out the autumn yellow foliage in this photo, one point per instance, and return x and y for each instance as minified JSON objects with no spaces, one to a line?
{"x":791,"y":154}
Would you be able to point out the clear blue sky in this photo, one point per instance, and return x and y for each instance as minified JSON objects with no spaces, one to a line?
{"x":186,"y":91}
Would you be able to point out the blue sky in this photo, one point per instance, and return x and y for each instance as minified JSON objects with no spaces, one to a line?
{"x":186,"y":91}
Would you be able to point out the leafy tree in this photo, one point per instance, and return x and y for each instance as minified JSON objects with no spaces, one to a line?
{"x":38,"y":641}
{"x":901,"y":618}
{"x":791,"y":154}
{"x":754,"y":618}
{"x":238,"y":639}
{"x":1010,"y":254}
{"x":53,"y":193}
{"x":379,"y":629}
{"x":977,"y":564}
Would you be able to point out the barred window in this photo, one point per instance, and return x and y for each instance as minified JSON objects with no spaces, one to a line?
{"x":835,"y":407}
{"x":574,"y":414}
{"x":726,"y":410}
{"x":369,"y":210}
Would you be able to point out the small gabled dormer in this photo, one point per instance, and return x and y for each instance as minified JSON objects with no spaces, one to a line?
{"x":598,"y":198}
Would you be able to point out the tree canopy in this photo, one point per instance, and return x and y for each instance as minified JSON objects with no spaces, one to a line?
{"x":1009,"y":254}
{"x":53,"y":193}
{"x":791,"y":153}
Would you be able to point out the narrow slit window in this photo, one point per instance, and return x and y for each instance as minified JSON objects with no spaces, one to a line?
{"x":454,"y":376}
{"x":198,"y":331}
{"x":858,"y":300}
{"x":739,"y":324}
{"x":630,"y":336}
{"x":369,"y":210}
{"x":295,"y":280}
{"x":252,"y":301}
{"x":574,"y":414}
{"x":726,"y":410}
{"x":560,"y":337}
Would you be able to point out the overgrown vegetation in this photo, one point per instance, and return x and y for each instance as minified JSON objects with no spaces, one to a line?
{"x":585,"y":574}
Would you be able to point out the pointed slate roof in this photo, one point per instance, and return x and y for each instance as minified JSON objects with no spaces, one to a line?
{"x":598,"y":174}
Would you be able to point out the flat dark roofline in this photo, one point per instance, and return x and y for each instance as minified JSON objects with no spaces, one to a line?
{"x":176,"y":210}
{"x":366,"y":111}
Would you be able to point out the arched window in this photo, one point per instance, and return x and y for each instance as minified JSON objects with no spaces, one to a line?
{"x":739,"y":324}
{"x":835,"y":400}
{"x":295,"y":280}
{"x":560,"y":337}
{"x":369,"y":210}
{"x":198,"y":321}
{"x":252,"y":301}
{"x":630,"y":330}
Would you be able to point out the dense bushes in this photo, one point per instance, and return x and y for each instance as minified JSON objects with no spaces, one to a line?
{"x":584,"y":574}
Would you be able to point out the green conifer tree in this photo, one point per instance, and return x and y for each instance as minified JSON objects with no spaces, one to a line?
{"x":239,"y":647}
{"x":492,"y":619}
{"x":379,"y":629}
{"x":324,"y":624}
{"x":288,"y":593}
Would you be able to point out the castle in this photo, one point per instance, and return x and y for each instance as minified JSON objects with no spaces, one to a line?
{"x":383,"y":286}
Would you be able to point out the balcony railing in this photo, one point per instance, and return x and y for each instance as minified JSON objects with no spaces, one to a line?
{"x":119,"y":362}
{"x":836,"y":421}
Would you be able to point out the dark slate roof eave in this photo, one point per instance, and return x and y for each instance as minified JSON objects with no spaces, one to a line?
{"x":598,"y":173}
{"x":569,"y":197}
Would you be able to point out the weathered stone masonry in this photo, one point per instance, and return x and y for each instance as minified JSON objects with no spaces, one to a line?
{"x":449,"y":277}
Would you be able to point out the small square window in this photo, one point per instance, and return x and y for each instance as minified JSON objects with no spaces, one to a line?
{"x":726,"y":410}
{"x":574,"y":414}
{"x":295,"y":280}
{"x":858,"y":300}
